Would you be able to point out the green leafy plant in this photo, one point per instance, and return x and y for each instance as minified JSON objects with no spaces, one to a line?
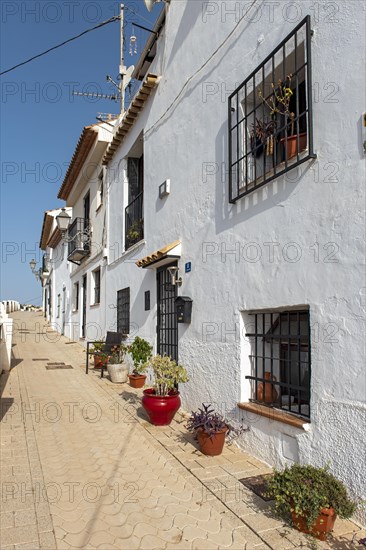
{"x":305,"y":490}
{"x":96,"y":348}
{"x":141,"y":352}
{"x":135,"y":232}
{"x":167,"y":374}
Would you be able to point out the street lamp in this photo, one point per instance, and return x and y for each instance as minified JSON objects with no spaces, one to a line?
{"x":32,"y":265}
{"x":63,"y":222}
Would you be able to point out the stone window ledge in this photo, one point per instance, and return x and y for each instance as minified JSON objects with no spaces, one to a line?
{"x":275,"y":414}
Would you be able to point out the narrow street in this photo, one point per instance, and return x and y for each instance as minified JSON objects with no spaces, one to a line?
{"x":82,"y":468}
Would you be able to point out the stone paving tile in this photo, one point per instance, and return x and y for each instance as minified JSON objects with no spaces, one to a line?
{"x":112,"y":479}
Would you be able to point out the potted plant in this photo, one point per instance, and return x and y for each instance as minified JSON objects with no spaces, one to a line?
{"x":313,"y":497}
{"x":163,"y":400}
{"x":262,"y":137}
{"x":117,"y":369}
{"x":279,"y":103}
{"x":140,"y":351}
{"x":210,"y":428}
{"x":96,"y":351}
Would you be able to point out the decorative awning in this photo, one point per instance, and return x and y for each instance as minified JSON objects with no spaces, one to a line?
{"x":162,"y":256}
{"x":131,"y":115}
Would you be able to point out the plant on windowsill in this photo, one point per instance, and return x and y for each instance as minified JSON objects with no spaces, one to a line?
{"x":162,"y":401}
{"x":262,"y":137}
{"x":313,"y":497}
{"x":279,"y":103}
{"x":140,"y":351}
{"x":135,"y":232}
{"x":211,"y":428}
{"x":116,"y":367}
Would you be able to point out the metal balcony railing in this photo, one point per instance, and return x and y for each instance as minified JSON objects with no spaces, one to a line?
{"x":134,"y":222}
{"x":79,"y":240}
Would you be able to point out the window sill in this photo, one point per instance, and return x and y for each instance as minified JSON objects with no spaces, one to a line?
{"x":95,"y":305}
{"x":275,"y":414}
{"x":99,"y":207}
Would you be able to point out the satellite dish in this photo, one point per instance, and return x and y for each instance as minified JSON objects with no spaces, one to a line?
{"x":150,"y":4}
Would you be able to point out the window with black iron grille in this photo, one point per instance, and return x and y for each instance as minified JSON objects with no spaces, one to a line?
{"x":58,"y":304}
{"x":270,"y":116}
{"x":123,"y":311}
{"x":96,"y":275}
{"x":280,"y":360}
{"x":134,"y":211}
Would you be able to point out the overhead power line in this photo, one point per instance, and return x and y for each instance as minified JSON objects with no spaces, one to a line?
{"x":111,"y":20}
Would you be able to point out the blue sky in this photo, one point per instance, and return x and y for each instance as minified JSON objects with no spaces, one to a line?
{"x":40,"y":118}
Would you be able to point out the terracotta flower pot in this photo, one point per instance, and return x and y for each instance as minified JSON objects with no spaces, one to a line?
{"x":266,"y":391}
{"x":323,"y":525}
{"x":161,"y":410}
{"x":292,"y":144}
{"x":137,"y":380}
{"x":211,"y":446}
{"x":98,"y":362}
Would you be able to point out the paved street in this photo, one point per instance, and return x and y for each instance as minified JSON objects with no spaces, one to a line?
{"x":82,"y":468}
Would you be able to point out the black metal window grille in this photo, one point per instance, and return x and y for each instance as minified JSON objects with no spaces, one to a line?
{"x":167,"y":322}
{"x":80,"y":240}
{"x":123,"y":311}
{"x":134,"y":211}
{"x":58,"y":304}
{"x":270,"y":116}
{"x":280,"y":359}
{"x":96,"y":274}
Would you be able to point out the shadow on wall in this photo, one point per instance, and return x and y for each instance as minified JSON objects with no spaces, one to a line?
{"x":271,"y":195}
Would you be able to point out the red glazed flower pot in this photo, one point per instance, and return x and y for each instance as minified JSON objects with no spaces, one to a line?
{"x":161,"y":410}
{"x":211,"y":446}
{"x":323,"y":525}
{"x":137,"y":380}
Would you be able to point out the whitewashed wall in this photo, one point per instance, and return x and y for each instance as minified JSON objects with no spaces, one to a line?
{"x":315,"y":215}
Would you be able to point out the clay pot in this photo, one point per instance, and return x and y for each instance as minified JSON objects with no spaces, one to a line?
{"x":211,"y":446}
{"x":266,"y":391}
{"x":137,"y":380}
{"x":322,"y":526}
{"x":98,"y":362}
{"x":292,"y":144}
{"x":160,"y":409}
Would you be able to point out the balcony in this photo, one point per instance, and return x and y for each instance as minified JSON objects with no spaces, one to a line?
{"x":134,"y":222}
{"x":79,"y":240}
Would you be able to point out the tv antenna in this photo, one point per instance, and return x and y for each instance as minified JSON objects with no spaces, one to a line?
{"x":124,"y":77}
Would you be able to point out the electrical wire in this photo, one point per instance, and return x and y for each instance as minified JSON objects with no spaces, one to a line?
{"x":111,"y":20}
{"x":149,"y":130}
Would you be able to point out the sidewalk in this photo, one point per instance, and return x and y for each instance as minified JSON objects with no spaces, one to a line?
{"x":82,"y":468}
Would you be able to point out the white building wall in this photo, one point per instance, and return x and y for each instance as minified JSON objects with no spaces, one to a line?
{"x":296,"y":241}
{"x":6,"y":337}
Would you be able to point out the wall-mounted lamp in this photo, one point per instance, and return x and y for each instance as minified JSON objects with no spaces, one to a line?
{"x":36,"y":272}
{"x":173,"y":272}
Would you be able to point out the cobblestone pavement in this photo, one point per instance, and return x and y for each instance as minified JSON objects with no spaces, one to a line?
{"x":82,"y":468}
